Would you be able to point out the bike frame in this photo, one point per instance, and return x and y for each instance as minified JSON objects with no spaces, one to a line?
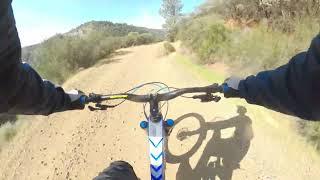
{"x":157,"y":139}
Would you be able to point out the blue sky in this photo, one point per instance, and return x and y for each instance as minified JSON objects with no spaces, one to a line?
{"x":38,"y":20}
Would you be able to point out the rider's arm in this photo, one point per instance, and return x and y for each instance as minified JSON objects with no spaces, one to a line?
{"x":293,"y":89}
{"x":22,"y":91}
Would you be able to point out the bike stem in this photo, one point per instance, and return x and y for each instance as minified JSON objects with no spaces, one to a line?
{"x":155,"y":115}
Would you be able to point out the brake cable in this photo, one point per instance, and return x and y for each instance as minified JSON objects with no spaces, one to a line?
{"x":99,"y":106}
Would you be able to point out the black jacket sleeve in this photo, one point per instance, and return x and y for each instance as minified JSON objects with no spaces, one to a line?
{"x":292,"y":89}
{"x":22,"y":91}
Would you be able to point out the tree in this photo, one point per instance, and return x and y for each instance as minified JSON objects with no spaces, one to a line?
{"x":171,"y":11}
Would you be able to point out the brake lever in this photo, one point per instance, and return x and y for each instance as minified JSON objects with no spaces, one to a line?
{"x":100,"y":107}
{"x":93,"y":108}
{"x":216,"y":98}
{"x":207,"y":98}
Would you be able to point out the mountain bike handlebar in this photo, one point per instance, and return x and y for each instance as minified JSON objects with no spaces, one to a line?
{"x":157,"y":126}
{"x":214,"y":88}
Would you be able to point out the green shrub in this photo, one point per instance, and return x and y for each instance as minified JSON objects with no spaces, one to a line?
{"x":168,"y":48}
{"x":59,"y":57}
{"x":289,"y":29}
{"x":134,"y":39}
{"x":311,"y":130}
{"x":249,"y":49}
{"x":105,"y":47}
{"x":146,"y":38}
{"x":205,"y":38}
{"x":7,"y":132}
{"x":279,"y":13}
{"x":4,"y":118}
{"x":213,"y":39}
{"x":10,"y":133}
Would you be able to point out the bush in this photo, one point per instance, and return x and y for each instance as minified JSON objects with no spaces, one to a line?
{"x":168,"y":48}
{"x":134,"y":39}
{"x":205,"y":38}
{"x":311,"y":130}
{"x":289,"y":29}
{"x":172,"y":34}
{"x":4,"y":118}
{"x":59,"y":57}
{"x":248,"y":49}
{"x":10,"y":133}
{"x":213,"y":39}
{"x":278,"y":13}
{"x":7,"y":132}
{"x":146,"y":38}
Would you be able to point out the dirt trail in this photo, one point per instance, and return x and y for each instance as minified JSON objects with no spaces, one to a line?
{"x":78,"y":145}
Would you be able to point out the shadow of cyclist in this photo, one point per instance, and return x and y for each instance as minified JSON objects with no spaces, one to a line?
{"x":226,"y":152}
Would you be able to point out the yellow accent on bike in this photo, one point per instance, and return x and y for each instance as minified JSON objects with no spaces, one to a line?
{"x":118,"y":97}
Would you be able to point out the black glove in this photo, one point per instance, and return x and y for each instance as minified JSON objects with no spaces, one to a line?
{"x":231,"y":87}
{"x":118,"y":170}
{"x":77,"y":99}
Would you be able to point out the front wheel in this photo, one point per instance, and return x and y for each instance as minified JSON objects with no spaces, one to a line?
{"x":182,"y":135}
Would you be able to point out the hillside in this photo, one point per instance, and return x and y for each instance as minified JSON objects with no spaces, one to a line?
{"x":251,"y":36}
{"x":27,"y":53}
{"x":113,"y":29}
{"x":106,"y":27}
{"x":64,"y":54}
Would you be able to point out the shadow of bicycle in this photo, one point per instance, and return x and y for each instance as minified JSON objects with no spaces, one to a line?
{"x":221,"y":156}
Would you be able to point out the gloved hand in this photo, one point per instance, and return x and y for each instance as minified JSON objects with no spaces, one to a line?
{"x":118,"y":170}
{"x":77,"y":99}
{"x":231,"y":87}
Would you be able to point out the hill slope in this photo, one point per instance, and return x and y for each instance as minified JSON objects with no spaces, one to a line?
{"x":113,"y":29}
{"x":64,"y":54}
{"x":106,"y":27}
